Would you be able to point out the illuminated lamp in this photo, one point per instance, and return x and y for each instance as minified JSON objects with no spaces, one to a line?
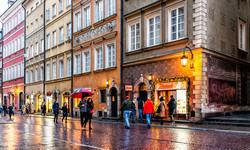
{"x":184,"y":58}
{"x":107,"y":83}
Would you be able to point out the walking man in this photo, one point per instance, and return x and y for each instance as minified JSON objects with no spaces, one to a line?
{"x":10,"y":111}
{"x":126,"y":108}
{"x":140,"y":108}
{"x":56,"y":111}
{"x":148,"y":110}
{"x":83,"y":109}
{"x":4,"y":109}
{"x":172,"y":107}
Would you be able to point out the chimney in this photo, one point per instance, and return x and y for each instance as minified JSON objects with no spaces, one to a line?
{"x":10,"y":2}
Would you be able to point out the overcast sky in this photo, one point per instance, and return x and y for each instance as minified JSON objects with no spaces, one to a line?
{"x":3,"y":7}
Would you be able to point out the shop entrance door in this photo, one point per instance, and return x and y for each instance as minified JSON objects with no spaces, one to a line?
{"x":39,"y":102}
{"x":143,"y":91}
{"x":21,"y":100}
{"x":114,"y":102}
{"x":166,"y":96}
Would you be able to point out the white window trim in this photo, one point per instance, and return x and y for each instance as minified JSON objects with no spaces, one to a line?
{"x":130,"y":23}
{"x":48,"y":75}
{"x":83,"y":14}
{"x":153,"y":15}
{"x":75,"y":24}
{"x":60,"y":10}
{"x":69,"y":66}
{"x":244,"y":35}
{"x":113,"y":42}
{"x":61,"y":71}
{"x":84,"y":62}
{"x":61,"y":38}
{"x":54,"y":11}
{"x":78,"y":53}
{"x":96,"y":12}
{"x":54,"y":70}
{"x":54,"y":36}
{"x":95,"y":57}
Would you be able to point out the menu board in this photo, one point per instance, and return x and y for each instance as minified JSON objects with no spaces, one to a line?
{"x":181,"y":102}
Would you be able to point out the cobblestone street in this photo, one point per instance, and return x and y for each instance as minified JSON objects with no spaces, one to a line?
{"x":42,"y":133}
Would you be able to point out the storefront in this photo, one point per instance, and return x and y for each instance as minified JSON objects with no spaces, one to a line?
{"x":76,"y":111}
{"x":39,"y":99}
{"x":49,"y":102}
{"x":66,"y":98}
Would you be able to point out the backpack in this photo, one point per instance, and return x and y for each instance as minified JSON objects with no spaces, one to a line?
{"x":159,"y":108}
{"x":174,"y":105}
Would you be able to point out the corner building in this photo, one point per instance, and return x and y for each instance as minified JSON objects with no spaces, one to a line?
{"x":215,"y":77}
{"x":13,"y":55}
{"x":96,"y":54}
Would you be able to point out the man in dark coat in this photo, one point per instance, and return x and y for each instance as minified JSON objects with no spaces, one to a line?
{"x":83,"y":109}
{"x":172,"y":107}
{"x":44,"y":109}
{"x":4,"y":109}
{"x":56,"y":111}
{"x":140,"y":108}
{"x":10,"y":111}
{"x":126,"y":108}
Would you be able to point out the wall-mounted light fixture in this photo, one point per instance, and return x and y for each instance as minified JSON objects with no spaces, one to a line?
{"x":107,"y":83}
{"x":184,"y":58}
{"x":150,"y":79}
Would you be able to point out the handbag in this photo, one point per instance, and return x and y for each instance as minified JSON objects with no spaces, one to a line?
{"x":159,"y":108}
{"x":91,"y":111}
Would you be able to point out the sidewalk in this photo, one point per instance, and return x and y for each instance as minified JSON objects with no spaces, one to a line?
{"x":178,"y":125}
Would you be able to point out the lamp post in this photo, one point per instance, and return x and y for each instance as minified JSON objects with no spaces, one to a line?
{"x":184,"y":58}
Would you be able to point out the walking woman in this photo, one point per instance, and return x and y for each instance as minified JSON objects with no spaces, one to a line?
{"x":163,"y":109}
{"x":65,"y":112}
{"x":90,"y":107}
{"x":56,"y":110}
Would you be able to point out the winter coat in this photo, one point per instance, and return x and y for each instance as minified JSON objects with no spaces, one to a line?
{"x":133,"y":109}
{"x":140,"y":103}
{"x":163,"y":109}
{"x":171,"y":105}
{"x":56,"y":108}
{"x":126,"y":105}
{"x":10,"y":109}
{"x":4,"y":107}
{"x":65,"y":110}
{"x":83,"y":108}
{"x":44,"y":108}
{"x":90,"y":106}
{"x":148,"y":107}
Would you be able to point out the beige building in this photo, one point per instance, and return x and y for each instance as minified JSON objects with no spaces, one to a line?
{"x":34,"y":53}
{"x":57,"y":51}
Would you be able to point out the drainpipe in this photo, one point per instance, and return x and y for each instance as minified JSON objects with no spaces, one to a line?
{"x":24,"y":63}
{"x":2,"y":66}
{"x":71,"y":58}
{"x":44,"y":48}
{"x":121,"y":51}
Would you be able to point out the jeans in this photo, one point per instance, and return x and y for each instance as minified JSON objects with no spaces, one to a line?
{"x":148,"y":117}
{"x":140,"y":114}
{"x":82,"y":115}
{"x":126,"y":116}
{"x":133,"y":117}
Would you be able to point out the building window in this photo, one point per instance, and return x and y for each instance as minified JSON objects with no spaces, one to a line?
{"x":134,"y":36}
{"x":54,"y":38}
{"x":77,"y":66}
{"x":154,"y":30}
{"x":86,"y":15}
{"x":31,"y":51}
{"x":22,"y":42}
{"x":31,"y":76}
{"x":77,"y":21}
{"x":111,"y":7}
{"x":15,"y":71}
{"x":27,"y":77}
{"x":41,"y":74}
{"x":37,"y":47}
{"x":48,"y":72}
{"x":47,"y":15}
{"x":68,"y":31}
{"x":60,"y":5}
{"x":15,"y":49}
{"x":42,"y":45}
{"x":36,"y":75}
{"x":18,"y":43}
{"x":22,"y":72}
{"x":86,"y":61}
{"x":18,"y":70}
{"x":68,"y":2}
{"x":61,"y":35}
{"x":61,"y":68}
{"x":176,"y":19}
{"x":69,"y":67}
{"x":242,"y":35}
{"x":102,"y":95}
{"x":98,"y":58}
{"x":54,"y":70}
{"x":99,"y":10}
{"x":53,"y":10}
{"x":110,"y":55}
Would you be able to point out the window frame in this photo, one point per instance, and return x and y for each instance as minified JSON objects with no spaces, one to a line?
{"x":61,"y":64}
{"x":78,"y":21}
{"x":54,"y":10}
{"x":107,"y":44}
{"x":243,"y":45}
{"x":100,"y":96}
{"x":84,"y":66}
{"x":95,"y":57}
{"x":86,"y":16}
{"x":75,"y":63}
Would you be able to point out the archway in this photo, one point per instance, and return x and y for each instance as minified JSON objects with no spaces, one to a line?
{"x":39,"y":101}
{"x":66,"y":98}
{"x":143,"y":91}
{"x":21,"y":100}
{"x":113,"y":102}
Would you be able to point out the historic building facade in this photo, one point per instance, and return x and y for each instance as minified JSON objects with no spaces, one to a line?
{"x":57,"y":52}
{"x":1,"y":66}
{"x":96,"y":53}
{"x":34,"y":62}
{"x":13,"y":55}
{"x":160,"y":37}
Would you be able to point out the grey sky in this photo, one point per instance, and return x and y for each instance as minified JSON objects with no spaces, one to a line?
{"x":3,"y":7}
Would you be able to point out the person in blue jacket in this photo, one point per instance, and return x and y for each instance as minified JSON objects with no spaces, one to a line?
{"x":56,"y":110}
{"x":133,"y":110}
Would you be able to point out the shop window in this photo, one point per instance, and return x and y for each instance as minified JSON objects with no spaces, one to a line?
{"x":102,"y":96}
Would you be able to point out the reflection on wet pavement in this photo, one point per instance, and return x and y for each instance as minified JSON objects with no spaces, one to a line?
{"x":43,"y":133}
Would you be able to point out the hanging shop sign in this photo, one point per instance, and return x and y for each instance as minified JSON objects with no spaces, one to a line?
{"x":171,"y":86}
{"x":181,"y":102}
{"x":128,"y":87}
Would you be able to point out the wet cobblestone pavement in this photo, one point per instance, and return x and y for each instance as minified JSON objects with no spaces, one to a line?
{"x":42,"y":133}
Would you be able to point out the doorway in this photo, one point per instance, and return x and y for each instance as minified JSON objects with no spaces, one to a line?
{"x":166,"y":96}
{"x":66,"y":98}
{"x":114,"y":102}
{"x":21,"y":100}
{"x":143,"y":91}
{"x":39,"y":102}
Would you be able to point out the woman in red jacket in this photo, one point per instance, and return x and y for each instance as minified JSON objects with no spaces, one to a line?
{"x":148,"y":110}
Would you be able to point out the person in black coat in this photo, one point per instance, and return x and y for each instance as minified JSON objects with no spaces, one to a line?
{"x":10,"y":111}
{"x":56,"y":110}
{"x":83,"y":109}
{"x":90,"y":107}
{"x":172,"y":107}
{"x":4,"y":109}
{"x":65,"y":112}
{"x":140,"y":109}
{"x":44,"y":109}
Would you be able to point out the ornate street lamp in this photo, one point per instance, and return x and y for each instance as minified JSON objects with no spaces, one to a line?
{"x":107,"y":83}
{"x":184,"y":59}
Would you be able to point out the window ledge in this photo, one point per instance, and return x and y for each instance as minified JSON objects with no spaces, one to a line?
{"x":86,"y":73}
{"x":176,"y":42}
{"x":98,"y":22}
{"x":98,"y":70}
{"x":54,"y":47}
{"x":110,"y":68}
{"x":111,"y":16}
{"x":242,"y":52}
{"x":86,"y":28}
{"x":153,"y":47}
{"x":76,"y":32}
{"x":60,"y":43}
{"x":53,"y":16}
{"x":68,"y":40}
{"x":133,"y":52}
{"x":60,"y":11}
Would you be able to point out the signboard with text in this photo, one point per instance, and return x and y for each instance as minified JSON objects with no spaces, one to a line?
{"x":171,"y":85}
{"x":128,"y":87}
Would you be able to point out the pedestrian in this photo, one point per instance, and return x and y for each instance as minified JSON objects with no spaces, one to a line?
{"x":1,"y":109}
{"x":162,"y":110}
{"x":89,"y":113}
{"x":126,"y":107}
{"x":22,"y":109}
{"x":27,"y":109}
{"x":65,"y":112}
{"x":140,"y":108}
{"x":44,"y":109}
{"x":133,"y":111}
{"x":83,"y":109}
{"x":10,"y":111}
{"x":172,"y":107}
{"x":4,"y":109}
{"x":56,"y":111}
{"x":148,"y":110}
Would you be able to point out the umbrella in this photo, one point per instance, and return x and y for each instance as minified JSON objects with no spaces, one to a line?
{"x":80,"y":93}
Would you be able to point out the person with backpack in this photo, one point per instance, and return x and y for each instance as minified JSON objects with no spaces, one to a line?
{"x":126,"y":108}
{"x":172,"y":107}
{"x":162,"y":110}
{"x":140,"y":108}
